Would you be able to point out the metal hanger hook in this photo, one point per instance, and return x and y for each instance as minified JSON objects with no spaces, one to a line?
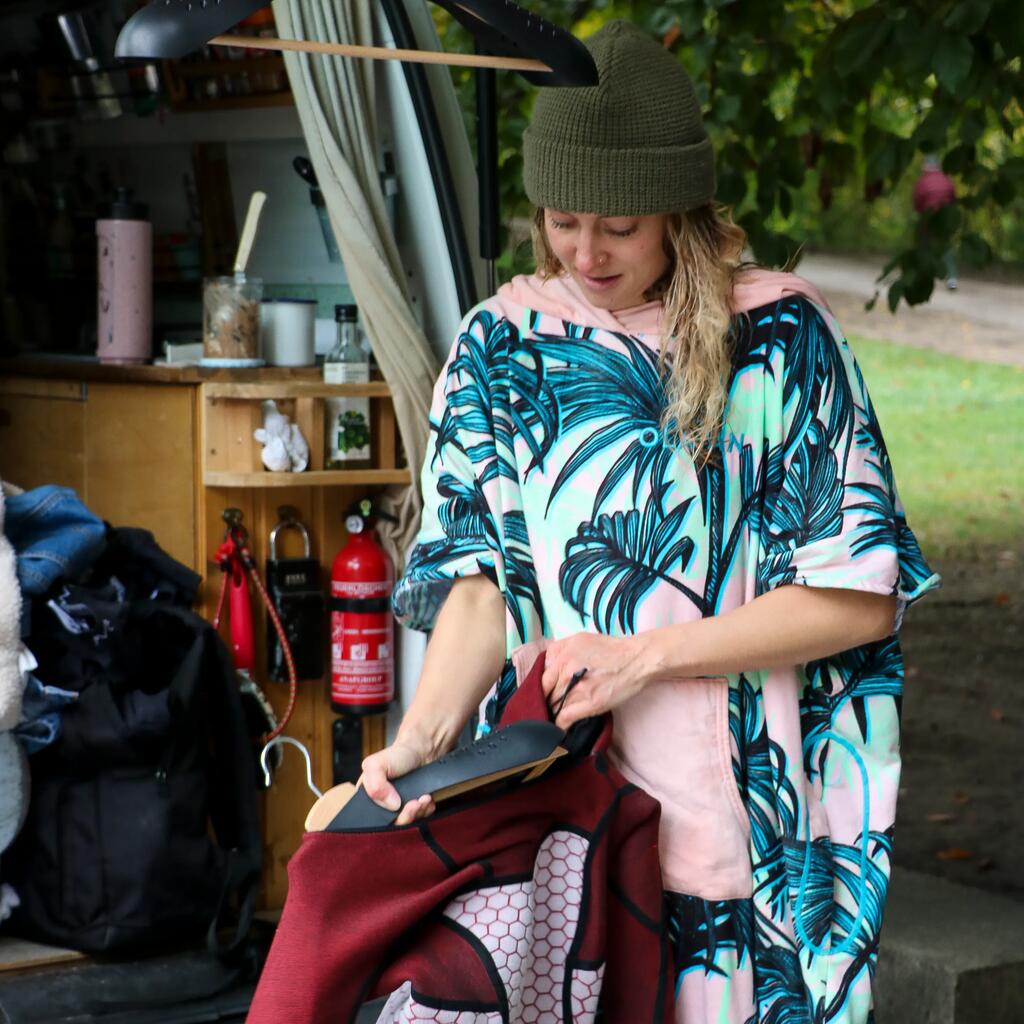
{"x":305,"y":753}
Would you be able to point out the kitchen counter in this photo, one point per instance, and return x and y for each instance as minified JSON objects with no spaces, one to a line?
{"x":89,"y":369}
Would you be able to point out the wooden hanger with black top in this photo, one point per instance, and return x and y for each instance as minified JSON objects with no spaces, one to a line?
{"x":509,"y":37}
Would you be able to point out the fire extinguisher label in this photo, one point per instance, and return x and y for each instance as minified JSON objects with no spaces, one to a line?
{"x":359,"y":590}
{"x":362,"y":645}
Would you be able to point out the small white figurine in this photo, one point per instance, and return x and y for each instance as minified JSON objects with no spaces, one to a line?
{"x":284,"y":448}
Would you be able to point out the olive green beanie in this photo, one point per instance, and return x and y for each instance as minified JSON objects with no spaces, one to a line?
{"x":634,"y":144}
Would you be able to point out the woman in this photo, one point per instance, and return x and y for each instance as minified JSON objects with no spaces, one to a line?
{"x":636,"y":453}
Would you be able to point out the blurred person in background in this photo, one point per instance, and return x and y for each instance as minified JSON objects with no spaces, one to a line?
{"x":933,"y":190}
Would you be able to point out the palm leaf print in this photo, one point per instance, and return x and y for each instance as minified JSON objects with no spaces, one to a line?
{"x":768,"y":793}
{"x":469,"y":530}
{"x":713,"y":482}
{"x":754,"y":349}
{"x":815,"y":375}
{"x":867,"y":893}
{"x":431,"y":561}
{"x":532,"y":415}
{"x":465,"y":516}
{"x":624,"y":392}
{"x":472,"y":373}
{"x":817,"y":904}
{"x":873,"y":893}
{"x":869,"y":436}
{"x":781,"y":994}
{"x":495,"y":708}
{"x":823,"y":914}
{"x":446,"y":432}
{"x":534,"y":410}
{"x":914,"y":571}
{"x":702,"y":930}
{"x":464,"y":512}
{"x":615,"y":560}
{"x":520,"y":575}
{"x":809,"y":507}
{"x":868,"y":672}
{"x":878,"y":527}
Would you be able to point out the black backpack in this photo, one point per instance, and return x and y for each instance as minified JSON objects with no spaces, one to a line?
{"x":117,"y":853}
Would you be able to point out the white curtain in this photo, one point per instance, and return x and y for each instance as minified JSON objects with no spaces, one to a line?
{"x":335,"y":100}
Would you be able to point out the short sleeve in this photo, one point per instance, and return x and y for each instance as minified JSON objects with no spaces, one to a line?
{"x":833,"y":517}
{"x":458,"y":533}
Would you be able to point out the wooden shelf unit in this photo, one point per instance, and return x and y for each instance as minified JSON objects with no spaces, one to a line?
{"x":257,"y":74}
{"x":134,"y":442}
{"x":231,"y":413}
{"x":310,"y":478}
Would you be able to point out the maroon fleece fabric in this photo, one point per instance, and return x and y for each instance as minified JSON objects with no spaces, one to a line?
{"x":529,"y":903}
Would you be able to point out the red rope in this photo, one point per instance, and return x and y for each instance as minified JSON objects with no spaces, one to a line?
{"x":286,"y":650}
{"x":225,"y":573}
{"x":234,"y":552}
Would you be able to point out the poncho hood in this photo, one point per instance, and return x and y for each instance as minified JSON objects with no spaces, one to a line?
{"x":562,"y":297}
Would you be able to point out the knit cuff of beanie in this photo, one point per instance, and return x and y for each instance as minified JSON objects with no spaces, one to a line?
{"x":617,"y":182}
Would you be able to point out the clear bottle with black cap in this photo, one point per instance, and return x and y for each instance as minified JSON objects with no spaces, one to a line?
{"x":347,"y":418}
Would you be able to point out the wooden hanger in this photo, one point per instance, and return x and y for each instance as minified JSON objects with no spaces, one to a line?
{"x":525,"y":749}
{"x":330,"y":805}
{"x":461,"y":60}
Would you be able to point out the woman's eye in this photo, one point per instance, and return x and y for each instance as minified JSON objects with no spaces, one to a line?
{"x":621,"y":234}
{"x":560,"y":225}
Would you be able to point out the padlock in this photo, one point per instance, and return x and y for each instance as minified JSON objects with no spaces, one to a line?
{"x":294,"y":587}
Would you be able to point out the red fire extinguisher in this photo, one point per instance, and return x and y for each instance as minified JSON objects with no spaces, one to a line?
{"x":362,"y":628}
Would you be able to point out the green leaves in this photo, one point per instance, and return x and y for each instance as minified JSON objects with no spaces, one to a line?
{"x":861,"y":41}
{"x":726,"y":108}
{"x":975,"y":250}
{"x":813,"y":105}
{"x":968,"y":16}
{"x":931,"y":134}
{"x":953,"y":58}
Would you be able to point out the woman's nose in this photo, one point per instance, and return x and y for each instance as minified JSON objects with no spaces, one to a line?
{"x":589,"y":254}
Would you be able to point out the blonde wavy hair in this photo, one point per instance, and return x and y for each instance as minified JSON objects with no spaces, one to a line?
{"x":705,"y":248}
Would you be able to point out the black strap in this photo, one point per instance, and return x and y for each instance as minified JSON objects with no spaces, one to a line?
{"x":576,"y":677}
{"x":233,"y":800}
{"x":366,"y":605}
{"x":238,"y":882}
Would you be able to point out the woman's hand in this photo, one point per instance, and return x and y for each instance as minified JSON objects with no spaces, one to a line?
{"x":615,"y":671}
{"x":469,"y":633}
{"x":391,"y":763}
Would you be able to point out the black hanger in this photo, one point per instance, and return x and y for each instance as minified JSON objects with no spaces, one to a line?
{"x":175,"y":28}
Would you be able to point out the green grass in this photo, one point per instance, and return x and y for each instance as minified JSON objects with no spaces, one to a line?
{"x":955,"y":434}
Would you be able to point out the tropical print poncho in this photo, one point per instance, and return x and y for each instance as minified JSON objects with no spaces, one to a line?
{"x":548,"y":470}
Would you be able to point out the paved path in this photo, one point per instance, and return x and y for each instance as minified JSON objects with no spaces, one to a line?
{"x":981,"y":320}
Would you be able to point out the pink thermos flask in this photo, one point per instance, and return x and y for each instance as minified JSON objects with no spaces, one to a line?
{"x":124,"y":316}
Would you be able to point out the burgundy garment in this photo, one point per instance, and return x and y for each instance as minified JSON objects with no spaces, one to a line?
{"x":933,"y":190}
{"x":528,"y":904}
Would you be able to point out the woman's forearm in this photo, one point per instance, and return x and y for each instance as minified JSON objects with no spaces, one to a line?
{"x":790,"y":625}
{"x":463,"y":658}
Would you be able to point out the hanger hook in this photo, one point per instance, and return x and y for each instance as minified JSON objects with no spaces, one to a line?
{"x":305,"y":753}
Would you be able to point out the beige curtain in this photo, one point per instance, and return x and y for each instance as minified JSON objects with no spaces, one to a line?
{"x":336,"y":106}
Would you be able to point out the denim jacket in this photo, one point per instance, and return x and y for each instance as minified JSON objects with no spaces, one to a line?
{"x":54,"y":535}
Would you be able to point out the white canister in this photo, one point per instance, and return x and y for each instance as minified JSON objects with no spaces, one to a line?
{"x":287,"y":330}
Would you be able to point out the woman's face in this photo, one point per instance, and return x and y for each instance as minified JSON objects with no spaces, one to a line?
{"x":615,"y":260}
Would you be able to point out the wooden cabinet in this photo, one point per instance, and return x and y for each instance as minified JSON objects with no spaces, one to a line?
{"x":106,"y":440}
{"x":169,"y":450}
{"x":42,"y":432}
